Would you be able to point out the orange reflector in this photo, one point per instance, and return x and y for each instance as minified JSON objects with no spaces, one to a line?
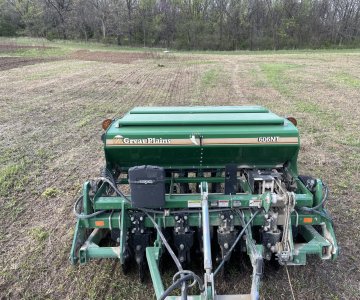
{"x":308,"y":220}
{"x":99,"y":223}
{"x":106,"y":123}
{"x":292,"y":120}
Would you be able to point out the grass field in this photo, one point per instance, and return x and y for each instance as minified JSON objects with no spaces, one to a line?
{"x":53,"y":97}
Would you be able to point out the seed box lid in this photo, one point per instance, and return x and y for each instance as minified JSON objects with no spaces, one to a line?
{"x":200,"y":115}
{"x":198,"y":109}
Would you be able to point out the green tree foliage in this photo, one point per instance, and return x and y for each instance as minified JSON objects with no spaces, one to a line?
{"x":189,"y":24}
{"x":9,"y":22}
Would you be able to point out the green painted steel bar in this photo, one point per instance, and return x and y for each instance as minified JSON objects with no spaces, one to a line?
{"x":123,"y":231}
{"x":330,"y":229}
{"x":243,"y":183}
{"x":192,"y":297}
{"x":91,"y":249}
{"x":152,"y":256}
{"x":86,"y":201}
{"x":310,"y":234}
{"x":193,"y":219}
{"x":73,"y":255}
{"x":245,"y":186}
{"x":314,"y":245}
{"x":198,"y":109}
{"x":182,"y":201}
{"x":96,"y":252}
{"x":102,"y":252}
{"x":302,"y":190}
{"x":101,"y":190}
{"x":318,"y":192}
{"x":185,"y":180}
{"x":94,"y":238}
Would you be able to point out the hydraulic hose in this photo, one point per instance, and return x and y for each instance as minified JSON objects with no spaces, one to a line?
{"x":163,"y":239}
{"x":172,"y":254}
{"x":320,"y":205}
{"x":82,"y":216}
{"x":175,"y":285}
{"x":234,"y":244}
{"x":110,"y":180}
{"x":112,"y":184}
{"x":196,"y":279}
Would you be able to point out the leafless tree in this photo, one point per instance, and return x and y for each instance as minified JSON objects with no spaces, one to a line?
{"x":205,"y":24}
{"x":61,"y":10}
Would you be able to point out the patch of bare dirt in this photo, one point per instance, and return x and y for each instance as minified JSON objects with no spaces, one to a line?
{"x":112,"y":57}
{"x":7,"y":63}
{"x":14,"y":47}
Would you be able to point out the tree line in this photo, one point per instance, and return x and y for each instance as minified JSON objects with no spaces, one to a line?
{"x":189,"y":24}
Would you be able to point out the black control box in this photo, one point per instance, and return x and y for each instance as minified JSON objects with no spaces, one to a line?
{"x":147,"y":184}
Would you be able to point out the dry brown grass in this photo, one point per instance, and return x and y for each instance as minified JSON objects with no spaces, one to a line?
{"x":50,"y":141}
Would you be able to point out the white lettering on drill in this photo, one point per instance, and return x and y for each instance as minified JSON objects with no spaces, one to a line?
{"x":268,"y":139}
{"x":147,"y":141}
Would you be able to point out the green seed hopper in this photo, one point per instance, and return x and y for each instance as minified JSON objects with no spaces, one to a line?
{"x":201,"y":184}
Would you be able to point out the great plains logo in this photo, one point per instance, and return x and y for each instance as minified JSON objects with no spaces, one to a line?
{"x":268,"y":139}
{"x":146,"y":141}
